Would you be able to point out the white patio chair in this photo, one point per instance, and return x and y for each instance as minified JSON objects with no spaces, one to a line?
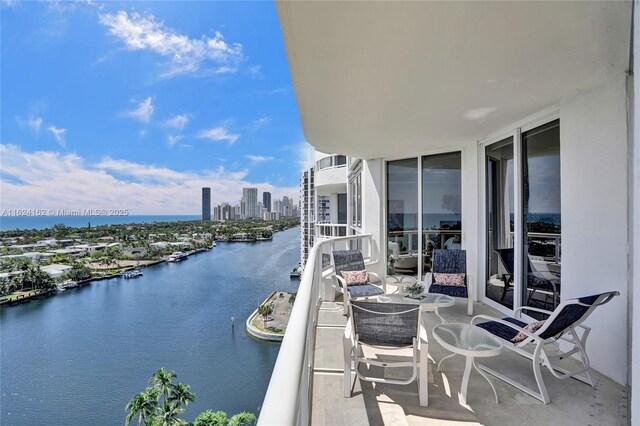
{"x":386,"y":326}
{"x":562,"y":324}
{"x":352,"y":260}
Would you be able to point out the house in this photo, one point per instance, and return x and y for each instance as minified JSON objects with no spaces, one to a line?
{"x":56,"y":269}
{"x":483,"y":126}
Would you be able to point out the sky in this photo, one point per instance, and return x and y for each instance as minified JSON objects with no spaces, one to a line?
{"x":139,"y":105}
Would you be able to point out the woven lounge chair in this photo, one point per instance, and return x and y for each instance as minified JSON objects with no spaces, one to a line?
{"x":388,"y":326}
{"x":562,"y":324}
{"x":352,"y":260}
{"x":451,"y":262}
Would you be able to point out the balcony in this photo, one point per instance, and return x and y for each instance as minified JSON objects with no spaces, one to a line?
{"x":329,"y":230}
{"x":306,"y":385}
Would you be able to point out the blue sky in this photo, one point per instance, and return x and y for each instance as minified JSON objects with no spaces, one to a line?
{"x":139,"y":105}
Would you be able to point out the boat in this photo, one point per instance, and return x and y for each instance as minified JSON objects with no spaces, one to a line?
{"x":135,"y":273}
{"x":265,"y":238}
{"x":242,"y":238}
{"x":177,"y":256}
{"x":213,"y":244}
{"x":67,"y":285}
{"x":294,"y":274}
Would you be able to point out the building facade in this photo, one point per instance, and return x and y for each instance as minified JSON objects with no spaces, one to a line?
{"x":206,"y":203}
{"x":250,"y":202}
{"x":266,"y":200}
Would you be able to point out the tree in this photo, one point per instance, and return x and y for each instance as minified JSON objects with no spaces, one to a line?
{"x":211,"y":418}
{"x":265,"y":311}
{"x":243,"y":419}
{"x":79,"y":272}
{"x":161,"y":403}
{"x":292,"y":298}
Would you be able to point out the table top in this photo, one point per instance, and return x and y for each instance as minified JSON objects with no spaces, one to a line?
{"x":429,"y":300}
{"x":466,"y":339}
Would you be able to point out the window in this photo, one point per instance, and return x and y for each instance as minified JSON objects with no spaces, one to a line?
{"x":409,"y":245}
{"x":355,"y":193}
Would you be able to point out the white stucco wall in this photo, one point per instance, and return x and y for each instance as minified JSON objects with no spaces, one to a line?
{"x":635,"y":234}
{"x":470,"y":214}
{"x":594,"y":186}
{"x":372,"y":202}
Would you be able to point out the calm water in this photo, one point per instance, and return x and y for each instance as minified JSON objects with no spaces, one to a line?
{"x":77,"y":358}
{"x":42,"y":222}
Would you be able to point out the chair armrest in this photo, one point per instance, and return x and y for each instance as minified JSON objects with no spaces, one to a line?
{"x":529,"y":308}
{"x":341,"y":282}
{"x":383,"y":282}
{"x":348,"y":330}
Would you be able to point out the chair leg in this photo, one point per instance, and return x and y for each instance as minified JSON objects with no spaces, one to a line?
{"x":423,"y":378}
{"x":469,"y":306}
{"x":538,"y":374}
{"x":349,"y":360}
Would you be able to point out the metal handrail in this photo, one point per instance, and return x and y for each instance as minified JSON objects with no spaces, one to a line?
{"x":288,"y":397}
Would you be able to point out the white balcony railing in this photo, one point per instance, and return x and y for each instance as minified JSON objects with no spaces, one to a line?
{"x":330,"y":230}
{"x":288,"y":398}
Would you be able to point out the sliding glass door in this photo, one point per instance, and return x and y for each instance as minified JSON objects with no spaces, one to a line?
{"x":500,"y":226}
{"x":415,"y":228}
{"x":541,"y":216}
{"x":523,"y":223}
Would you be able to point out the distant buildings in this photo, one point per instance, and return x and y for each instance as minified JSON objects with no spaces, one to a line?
{"x":250,"y":208}
{"x":206,"y":203}
{"x":250,"y":200}
{"x":266,"y":201}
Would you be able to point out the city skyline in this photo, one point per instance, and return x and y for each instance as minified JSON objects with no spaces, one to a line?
{"x":144,"y":105}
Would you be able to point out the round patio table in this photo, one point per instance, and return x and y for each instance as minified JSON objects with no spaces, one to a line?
{"x":472,"y":342}
{"x":400,"y":281}
{"x":429,"y":302}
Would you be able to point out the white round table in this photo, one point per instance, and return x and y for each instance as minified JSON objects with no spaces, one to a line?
{"x":430,"y":302}
{"x":400,"y":281}
{"x":472,"y":342}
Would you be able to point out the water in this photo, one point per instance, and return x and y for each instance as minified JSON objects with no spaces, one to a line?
{"x":77,"y":358}
{"x":42,"y":222}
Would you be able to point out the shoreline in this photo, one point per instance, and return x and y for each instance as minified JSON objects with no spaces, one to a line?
{"x":82,"y":283}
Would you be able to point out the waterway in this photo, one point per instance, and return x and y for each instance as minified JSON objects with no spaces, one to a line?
{"x":78,"y":357}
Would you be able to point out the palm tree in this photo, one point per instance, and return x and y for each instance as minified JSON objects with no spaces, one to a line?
{"x":144,"y":405}
{"x":163,"y":381}
{"x":265,"y":311}
{"x":182,"y":394}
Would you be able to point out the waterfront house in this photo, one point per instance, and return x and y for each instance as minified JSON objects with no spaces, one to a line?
{"x":503,"y":128}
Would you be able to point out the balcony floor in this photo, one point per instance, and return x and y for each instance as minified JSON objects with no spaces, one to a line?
{"x":572,"y":402}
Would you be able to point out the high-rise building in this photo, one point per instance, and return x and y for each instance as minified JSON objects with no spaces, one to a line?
{"x":250,"y":198}
{"x":307,"y":214}
{"x":206,"y":203}
{"x":266,"y":201}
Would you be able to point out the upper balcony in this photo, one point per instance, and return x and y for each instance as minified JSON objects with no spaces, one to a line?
{"x":306,"y":386}
{"x":331,"y":174}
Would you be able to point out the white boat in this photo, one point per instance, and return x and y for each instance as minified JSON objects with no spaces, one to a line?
{"x":213,"y":244}
{"x":177,"y":256}
{"x":132,"y":274}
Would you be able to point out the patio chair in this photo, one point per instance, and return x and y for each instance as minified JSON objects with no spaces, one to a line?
{"x":562,"y":324}
{"x":505,"y":257}
{"x":450,"y":262}
{"x":352,"y":260}
{"x":386,"y":326}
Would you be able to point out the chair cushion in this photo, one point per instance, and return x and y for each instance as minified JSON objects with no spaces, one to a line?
{"x":355,"y":277}
{"x":503,"y":331}
{"x":454,"y":280}
{"x":531,"y":328}
{"x":364,"y":290}
{"x":448,"y":290}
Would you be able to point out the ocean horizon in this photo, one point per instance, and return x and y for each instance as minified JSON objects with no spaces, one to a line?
{"x":8,"y":223}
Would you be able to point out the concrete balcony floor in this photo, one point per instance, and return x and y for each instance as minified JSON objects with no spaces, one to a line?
{"x":572,"y":402}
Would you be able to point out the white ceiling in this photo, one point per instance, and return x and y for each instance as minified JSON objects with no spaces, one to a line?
{"x":376,"y":79}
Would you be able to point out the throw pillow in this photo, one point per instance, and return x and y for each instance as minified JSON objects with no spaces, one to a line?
{"x":355,"y":277}
{"x":453,"y":280}
{"x":531,"y":328}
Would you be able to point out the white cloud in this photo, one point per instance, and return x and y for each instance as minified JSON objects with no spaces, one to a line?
{"x":58,"y":134}
{"x":177,"y":122}
{"x":53,"y":180}
{"x":184,"y":55}
{"x":173,"y":139}
{"x":259,"y":158}
{"x":143,"y":112}
{"x":260,"y":122}
{"x":218,"y":134}
{"x":35,"y":123}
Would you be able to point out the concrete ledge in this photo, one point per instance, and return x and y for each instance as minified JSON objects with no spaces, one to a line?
{"x":262,"y":334}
